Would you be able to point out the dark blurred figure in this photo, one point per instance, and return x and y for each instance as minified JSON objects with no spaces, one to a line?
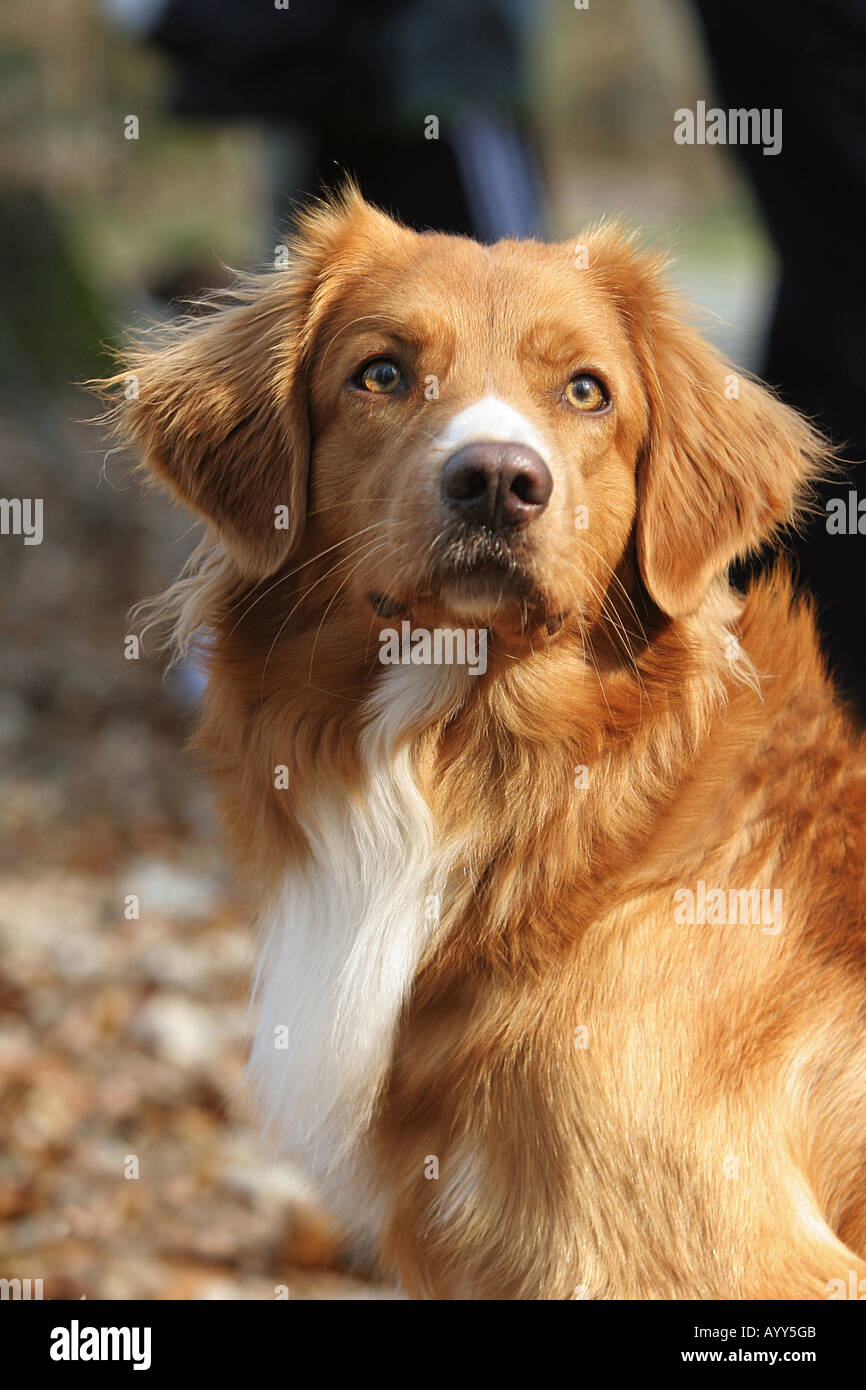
{"x":357,"y":88}
{"x":808,"y":58}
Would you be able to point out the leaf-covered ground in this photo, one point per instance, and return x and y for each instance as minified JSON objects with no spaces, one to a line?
{"x":122,"y":1039}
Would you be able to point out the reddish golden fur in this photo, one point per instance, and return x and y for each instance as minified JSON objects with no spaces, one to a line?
{"x":710,"y":1141}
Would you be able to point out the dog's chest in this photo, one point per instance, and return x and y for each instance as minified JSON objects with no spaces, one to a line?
{"x":344,"y":937}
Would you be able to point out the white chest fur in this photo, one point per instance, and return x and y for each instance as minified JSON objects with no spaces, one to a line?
{"x":345,"y":935}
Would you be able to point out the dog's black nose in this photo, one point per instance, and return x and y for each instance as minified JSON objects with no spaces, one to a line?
{"x":495,"y":484}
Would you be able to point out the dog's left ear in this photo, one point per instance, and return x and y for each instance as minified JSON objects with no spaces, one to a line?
{"x":217,"y":410}
{"x":724,"y":463}
{"x":217,"y":406}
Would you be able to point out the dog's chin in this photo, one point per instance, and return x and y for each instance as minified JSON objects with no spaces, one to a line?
{"x":484,"y":597}
{"x":487,"y":580}
{"x":510,"y":605}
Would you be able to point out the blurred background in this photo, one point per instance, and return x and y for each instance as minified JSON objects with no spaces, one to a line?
{"x":124,"y":1038}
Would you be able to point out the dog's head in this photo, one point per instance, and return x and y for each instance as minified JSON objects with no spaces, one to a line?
{"x":492,"y":435}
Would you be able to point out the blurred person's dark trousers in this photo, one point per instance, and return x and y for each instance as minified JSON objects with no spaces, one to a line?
{"x":347,"y":89}
{"x":481,"y":178}
{"x":808,"y":59}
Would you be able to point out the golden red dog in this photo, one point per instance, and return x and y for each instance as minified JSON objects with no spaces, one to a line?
{"x":562,"y":980}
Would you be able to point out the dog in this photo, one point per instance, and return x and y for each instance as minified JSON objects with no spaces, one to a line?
{"x":561,"y":985}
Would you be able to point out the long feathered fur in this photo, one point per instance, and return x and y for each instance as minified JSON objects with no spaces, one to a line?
{"x":518,"y":1074}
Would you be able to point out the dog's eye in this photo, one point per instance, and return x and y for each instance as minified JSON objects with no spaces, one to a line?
{"x":586,"y":393}
{"x":381,"y":376}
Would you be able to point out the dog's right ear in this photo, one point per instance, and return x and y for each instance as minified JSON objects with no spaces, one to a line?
{"x":724,"y":464}
{"x":217,"y":406}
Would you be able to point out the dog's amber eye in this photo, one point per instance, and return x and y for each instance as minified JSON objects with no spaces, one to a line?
{"x":381,"y":376}
{"x":586,"y":392}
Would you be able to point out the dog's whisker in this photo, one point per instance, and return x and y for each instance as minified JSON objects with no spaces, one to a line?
{"x":343,"y":560}
{"x":616,"y":580}
{"x":366,"y":556}
{"x":608,"y":611}
{"x":313,"y":560}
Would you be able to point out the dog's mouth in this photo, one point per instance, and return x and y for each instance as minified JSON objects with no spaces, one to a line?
{"x":477,"y":577}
